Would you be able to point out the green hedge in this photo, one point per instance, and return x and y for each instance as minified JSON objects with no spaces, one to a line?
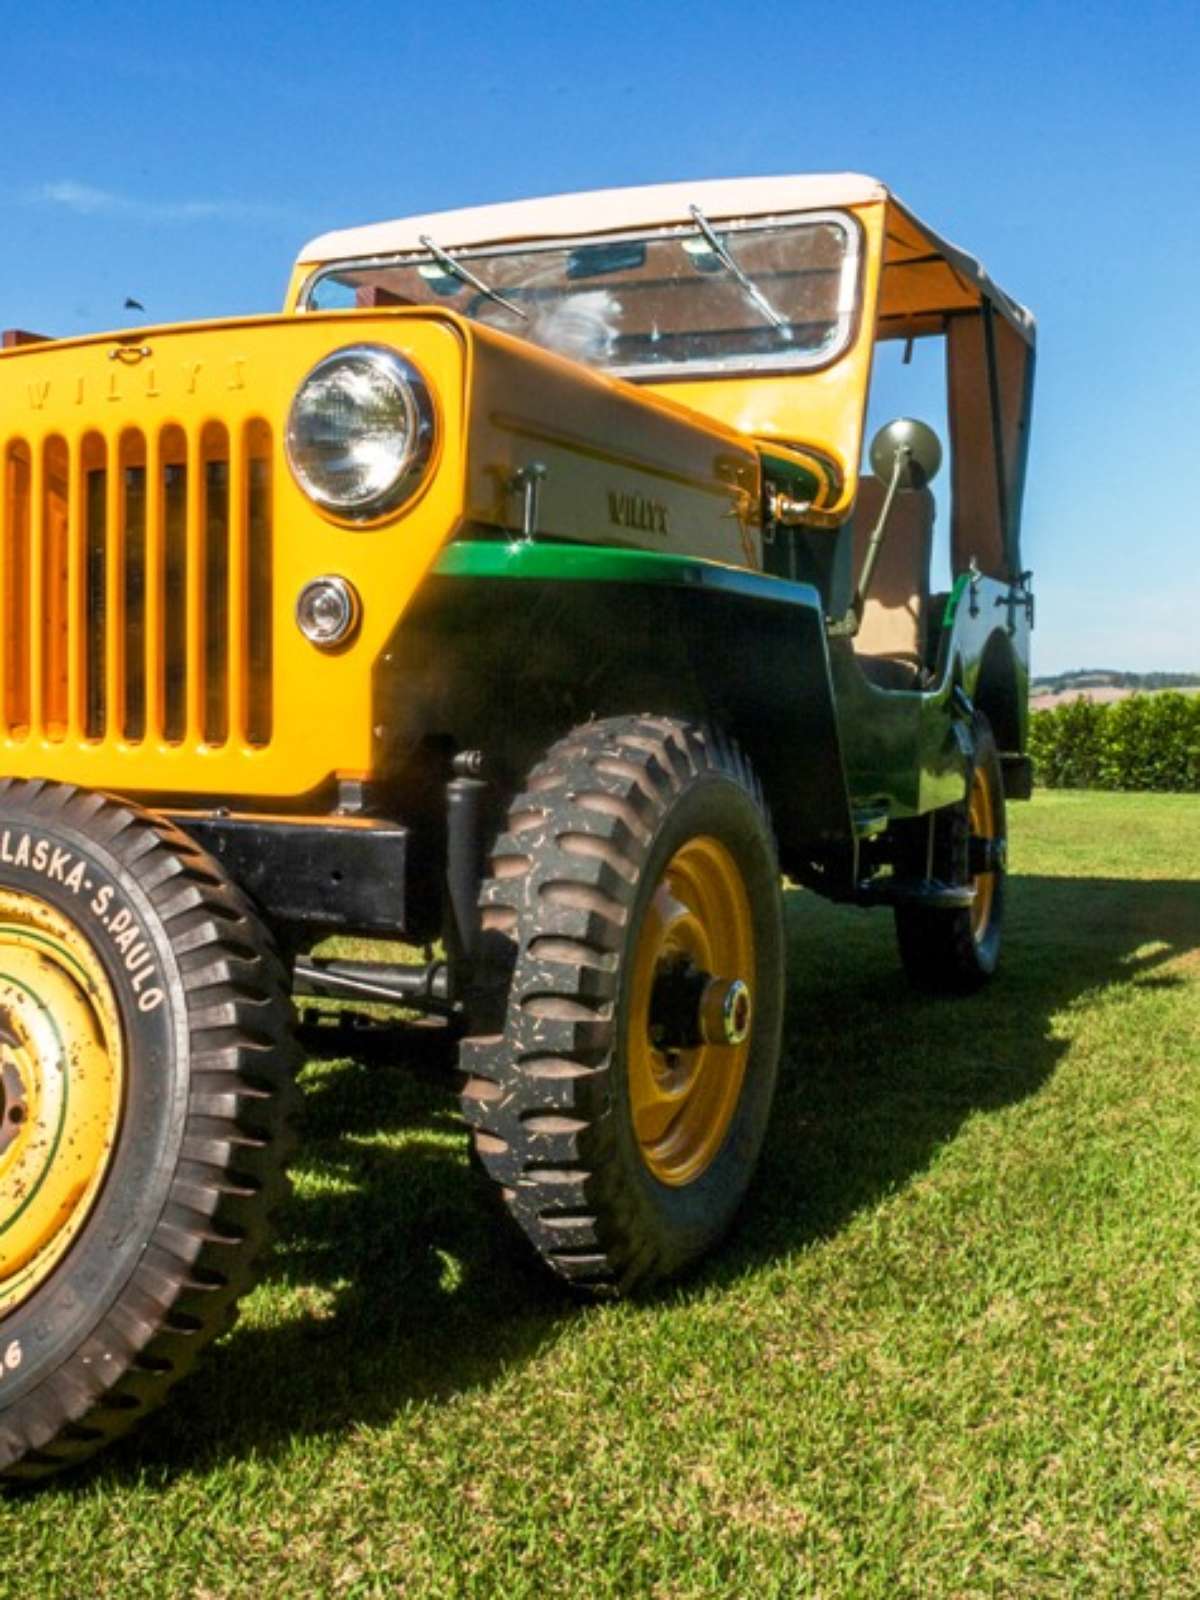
{"x":1144,"y":742}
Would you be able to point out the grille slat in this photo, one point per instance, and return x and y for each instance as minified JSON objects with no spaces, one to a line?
{"x":112,"y":562}
{"x":37,"y":516}
{"x":6,"y":516}
{"x":55,"y":580}
{"x":193,"y":656}
{"x":154,"y":583}
{"x":77,"y":642}
{"x":8,"y":523}
{"x":135,"y":587}
{"x":260,"y":574}
{"x":215,"y":562}
{"x":239,"y":569}
{"x":16,"y":587}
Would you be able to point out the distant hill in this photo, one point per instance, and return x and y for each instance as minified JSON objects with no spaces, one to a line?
{"x":1086,"y":679}
{"x":1103,"y":686}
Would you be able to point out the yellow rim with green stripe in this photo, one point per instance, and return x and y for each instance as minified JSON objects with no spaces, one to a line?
{"x":61,"y":1084}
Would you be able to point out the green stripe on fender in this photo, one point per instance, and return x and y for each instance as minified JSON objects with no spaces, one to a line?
{"x":586,"y":563}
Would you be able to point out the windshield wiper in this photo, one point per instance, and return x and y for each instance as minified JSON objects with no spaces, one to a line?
{"x":465,"y":275}
{"x":730,"y":265}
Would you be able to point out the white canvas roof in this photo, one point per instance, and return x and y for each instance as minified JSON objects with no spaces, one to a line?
{"x":562,"y":216}
{"x":654,"y":205}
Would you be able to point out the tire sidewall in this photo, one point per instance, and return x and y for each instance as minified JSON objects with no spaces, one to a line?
{"x":688,"y":1218}
{"x":41,"y":855}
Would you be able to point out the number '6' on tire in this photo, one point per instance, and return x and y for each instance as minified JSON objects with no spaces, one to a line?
{"x":621,"y":1107}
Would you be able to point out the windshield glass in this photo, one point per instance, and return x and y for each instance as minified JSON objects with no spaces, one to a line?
{"x":771,"y":296}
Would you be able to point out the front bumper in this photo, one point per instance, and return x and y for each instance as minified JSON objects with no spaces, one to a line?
{"x":319,"y":875}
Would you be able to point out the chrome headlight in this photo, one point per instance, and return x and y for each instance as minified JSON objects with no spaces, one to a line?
{"x":360,"y":432}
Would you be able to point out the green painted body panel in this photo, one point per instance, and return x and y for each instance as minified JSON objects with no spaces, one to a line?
{"x":899,"y":753}
{"x":511,"y":644}
{"x":903,"y":752}
{"x":536,"y":559}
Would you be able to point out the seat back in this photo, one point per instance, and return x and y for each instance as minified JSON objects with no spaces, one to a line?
{"x":893,"y":619}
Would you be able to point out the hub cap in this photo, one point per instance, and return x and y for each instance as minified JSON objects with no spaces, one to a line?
{"x":61,"y":1074}
{"x":690,"y":1011}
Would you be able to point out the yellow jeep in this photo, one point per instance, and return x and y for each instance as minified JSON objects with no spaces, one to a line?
{"x":515,"y":593}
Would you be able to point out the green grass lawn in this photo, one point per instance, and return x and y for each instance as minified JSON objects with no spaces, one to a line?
{"x":953,"y":1347}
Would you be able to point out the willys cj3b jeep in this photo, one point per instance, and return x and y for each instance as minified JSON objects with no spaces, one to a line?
{"x":516,"y":594}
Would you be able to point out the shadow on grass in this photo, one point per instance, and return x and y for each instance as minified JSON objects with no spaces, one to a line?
{"x":879,"y":1077}
{"x":390,"y":1285}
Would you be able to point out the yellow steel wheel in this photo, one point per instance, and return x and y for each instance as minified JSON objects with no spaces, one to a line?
{"x":981,"y":824}
{"x":954,"y":950}
{"x":696,"y":936}
{"x":61,"y":1076}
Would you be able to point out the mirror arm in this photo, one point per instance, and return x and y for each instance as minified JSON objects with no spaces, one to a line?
{"x":849,"y":625}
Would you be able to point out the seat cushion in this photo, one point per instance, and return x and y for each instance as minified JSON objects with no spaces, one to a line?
{"x":893,"y":619}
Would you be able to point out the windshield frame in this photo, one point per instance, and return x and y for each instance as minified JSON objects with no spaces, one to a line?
{"x":754,"y":364}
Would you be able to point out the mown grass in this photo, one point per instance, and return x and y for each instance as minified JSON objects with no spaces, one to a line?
{"x":952,"y":1349}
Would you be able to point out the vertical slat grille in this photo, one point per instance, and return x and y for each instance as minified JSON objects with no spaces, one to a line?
{"x":135,"y":586}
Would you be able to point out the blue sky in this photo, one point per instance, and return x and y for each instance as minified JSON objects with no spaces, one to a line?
{"x":181,"y":154}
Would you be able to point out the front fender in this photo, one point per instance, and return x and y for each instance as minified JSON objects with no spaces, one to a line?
{"x":507,"y":646}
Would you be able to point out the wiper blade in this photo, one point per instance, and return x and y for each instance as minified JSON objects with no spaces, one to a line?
{"x":754,"y":293}
{"x":465,"y":275}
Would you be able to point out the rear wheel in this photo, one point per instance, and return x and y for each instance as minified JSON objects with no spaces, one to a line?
{"x":621,"y":1106}
{"x":145,"y":1077}
{"x":956,"y":951}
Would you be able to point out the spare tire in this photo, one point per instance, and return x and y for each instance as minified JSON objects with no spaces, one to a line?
{"x":146,"y":1067}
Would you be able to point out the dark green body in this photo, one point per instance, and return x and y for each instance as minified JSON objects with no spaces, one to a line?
{"x":509,"y":645}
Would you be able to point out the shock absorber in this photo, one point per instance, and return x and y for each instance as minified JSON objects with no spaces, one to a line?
{"x":466,"y":796}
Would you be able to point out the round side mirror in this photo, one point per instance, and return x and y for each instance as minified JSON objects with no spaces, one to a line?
{"x":922,"y":452}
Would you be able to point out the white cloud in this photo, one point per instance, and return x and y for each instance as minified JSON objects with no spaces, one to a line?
{"x":86,"y":200}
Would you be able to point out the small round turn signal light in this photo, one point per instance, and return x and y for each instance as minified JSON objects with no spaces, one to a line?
{"x":328,"y":612}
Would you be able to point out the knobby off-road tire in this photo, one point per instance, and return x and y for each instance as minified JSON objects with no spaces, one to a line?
{"x":147,"y":1067}
{"x":956,"y":951}
{"x":637,"y":841}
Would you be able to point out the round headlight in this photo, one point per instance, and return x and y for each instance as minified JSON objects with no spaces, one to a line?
{"x":360,"y":432}
{"x":328,"y":611}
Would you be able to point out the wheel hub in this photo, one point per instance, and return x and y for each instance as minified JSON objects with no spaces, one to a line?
{"x":14,"y":1101}
{"x":690,"y":1011}
{"x":726,"y":1011}
{"x":60,"y":1089}
{"x":689,"y":1007}
{"x":986,"y":855}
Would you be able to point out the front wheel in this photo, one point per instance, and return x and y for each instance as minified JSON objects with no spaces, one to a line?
{"x":145,"y":1080}
{"x":956,"y":951}
{"x":635,"y":895}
